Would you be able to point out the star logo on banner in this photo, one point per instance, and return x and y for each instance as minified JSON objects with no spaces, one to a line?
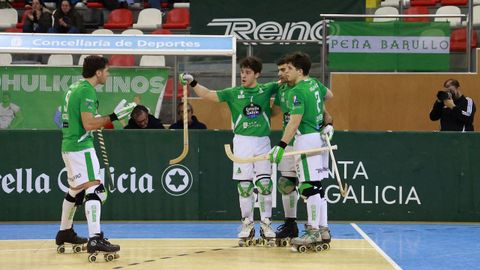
{"x":177,"y":180}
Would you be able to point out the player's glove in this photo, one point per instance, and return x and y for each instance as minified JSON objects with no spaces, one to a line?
{"x":327,"y":131}
{"x":276,"y":153}
{"x":122,"y":110}
{"x":186,"y":78}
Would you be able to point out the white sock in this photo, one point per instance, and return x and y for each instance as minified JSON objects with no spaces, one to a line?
{"x":290,"y":202}
{"x":68,"y":211}
{"x":323,"y":212}
{"x":93,"y":210}
{"x":265,"y":202}
{"x":246,"y":206}
{"x":313,"y":210}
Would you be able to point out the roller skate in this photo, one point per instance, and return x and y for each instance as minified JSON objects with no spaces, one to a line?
{"x":286,"y":232}
{"x":247,"y":233}
{"x":100,"y":245}
{"x":267,"y":235}
{"x":311,"y":239}
{"x":70,"y":238}
{"x":326,"y":237}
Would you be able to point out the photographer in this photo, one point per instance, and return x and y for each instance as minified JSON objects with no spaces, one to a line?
{"x":454,"y":110}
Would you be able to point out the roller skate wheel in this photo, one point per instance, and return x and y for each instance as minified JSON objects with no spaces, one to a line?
{"x":284,"y":243}
{"x":108,"y":257}
{"x":241,"y":243}
{"x":302,"y":249}
{"x":249,"y":243}
{"x":77,"y":249}
{"x":271,"y":243}
{"x":325,"y":246}
{"x":318,"y":248}
{"x":61,"y":249}
{"x":92,"y":257}
{"x":116,"y":256}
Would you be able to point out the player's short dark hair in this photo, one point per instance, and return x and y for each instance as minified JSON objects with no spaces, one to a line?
{"x":300,"y":60}
{"x":139,"y":109}
{"x":281,"y":61}
{"x":252,"y":62}
{"x":453,"y":82}
{"x":93,"y":63}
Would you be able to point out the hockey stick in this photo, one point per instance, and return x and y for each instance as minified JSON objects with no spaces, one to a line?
{"x":185,"y":128}
{"x":232,"y":157}
{"x":343,"y":191}
{"x":106,"y":162}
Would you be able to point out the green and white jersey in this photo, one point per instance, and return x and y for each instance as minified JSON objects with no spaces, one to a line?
{"x":250,"y":108}
{"x":307,"y":98}
{"x":281,"y":101}
{"x":81,"y":97}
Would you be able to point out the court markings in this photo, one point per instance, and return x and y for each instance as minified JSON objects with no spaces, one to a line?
{"x":374,"y":245}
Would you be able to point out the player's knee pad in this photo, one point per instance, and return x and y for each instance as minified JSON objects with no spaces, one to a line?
{"x":286,"y":185}
{"x":311,"y":188}
{"x":245,"y":188}
{"x":69,"y":198}
{"x":264,"y":185}
{"x":79,"y":198}
{"x":99,"y":194}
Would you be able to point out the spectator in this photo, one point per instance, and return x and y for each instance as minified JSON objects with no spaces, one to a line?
{"x":193,"y":122}
{"x":141,"y":119}
{"x":454,"y":110}
{"x":66,"y":19}
{"x":38,"y":20}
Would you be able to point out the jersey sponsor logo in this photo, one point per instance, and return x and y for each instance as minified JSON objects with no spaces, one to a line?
{"x":296,"y":101}
{"x":252,"y":111}
{"x":177,"y":180}
{"x":239,"y":171}
{"x":286,"y":117}
{"x":247,"y":28}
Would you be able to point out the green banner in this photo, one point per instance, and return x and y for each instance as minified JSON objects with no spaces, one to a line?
{"x":268,"y":20}
{"x":389,"y":46}
{"x":31,"y":96}
{"x":391,"y":176}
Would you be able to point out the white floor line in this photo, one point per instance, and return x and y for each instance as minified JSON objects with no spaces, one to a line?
{"x":379,"y":250}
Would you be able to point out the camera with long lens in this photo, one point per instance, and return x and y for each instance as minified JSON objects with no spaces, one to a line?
{"x":443,"y":95}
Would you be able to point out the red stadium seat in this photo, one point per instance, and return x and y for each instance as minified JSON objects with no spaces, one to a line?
{"x":454,"y":2}
{"x":18,"y":4}
{"x":423,"y":3}
{"x":24,"y":17}
{"x":121,"y":18}
{"x":94,"y":4}
{"x":458,"y":40}
{"x":122,"y":60}
{"x":177,"y":18}
{"x":169,"y":89}
{"x":161,"y":31}
{"x":417,"y":10}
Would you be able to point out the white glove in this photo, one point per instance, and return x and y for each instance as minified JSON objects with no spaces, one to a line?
{"x":124,"y":109}
{"x":186,"y":78}
{"x":327,"y":131}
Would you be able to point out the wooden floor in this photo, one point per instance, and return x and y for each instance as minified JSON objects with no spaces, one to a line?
{"x":221,"y":254}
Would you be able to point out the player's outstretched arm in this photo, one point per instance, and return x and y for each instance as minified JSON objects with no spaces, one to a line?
{"x":199,"y":89}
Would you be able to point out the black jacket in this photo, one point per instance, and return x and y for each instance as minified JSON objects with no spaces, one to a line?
{"x":153,"y":123}
{"x":194,"y":125}
{"x":460,"y":118}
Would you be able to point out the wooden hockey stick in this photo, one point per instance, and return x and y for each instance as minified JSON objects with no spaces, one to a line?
{"x":232,"y":157}
{"x":343,"y":190}
{"x":185,"y":128}
{"x":106,"y":162}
